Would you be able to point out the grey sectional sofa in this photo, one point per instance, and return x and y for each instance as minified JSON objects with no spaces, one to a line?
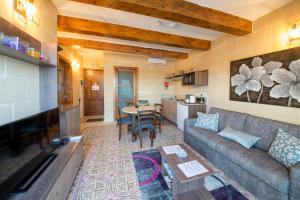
{"x":254,"y":169}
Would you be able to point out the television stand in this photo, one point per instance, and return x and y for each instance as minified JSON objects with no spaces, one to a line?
{"x":64,"y":141}
{"x":56,"y":181}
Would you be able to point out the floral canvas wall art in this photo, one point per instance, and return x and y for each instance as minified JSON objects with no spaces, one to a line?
{"x":272,"y":78}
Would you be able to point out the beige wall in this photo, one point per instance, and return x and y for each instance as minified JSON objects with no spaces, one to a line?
{"x":77,"y":75}
{"x":269,"y":35}
{"x":150,"y":81}
{"x":19,"y":81}
{"x":94,"y":60}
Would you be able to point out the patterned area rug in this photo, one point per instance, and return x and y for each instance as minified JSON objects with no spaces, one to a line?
{"x":108,"y":170}
{"x":153,"y":185}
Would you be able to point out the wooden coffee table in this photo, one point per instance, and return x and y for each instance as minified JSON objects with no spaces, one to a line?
{"x":182,"y":186}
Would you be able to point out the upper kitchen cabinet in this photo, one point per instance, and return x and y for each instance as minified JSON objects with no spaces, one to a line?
{"x":198,"y":78}
{"x":201,"y":78}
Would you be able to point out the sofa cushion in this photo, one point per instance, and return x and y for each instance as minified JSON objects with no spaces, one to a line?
{"x":258,"y":163}
{"x":294,"y":130}
{"x":232,"y":119}
{"x":267,"y":130}
{"x":209,"y":138}
{"x":285,"y":148}
{"x":239,"y":137}
{"x":259,"y":127}
{"x":231,"y":150}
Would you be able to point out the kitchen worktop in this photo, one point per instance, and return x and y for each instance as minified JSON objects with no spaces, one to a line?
{"x":182,"y":102}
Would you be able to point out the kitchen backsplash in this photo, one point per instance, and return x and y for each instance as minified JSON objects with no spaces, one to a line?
{"x":183,"y":96}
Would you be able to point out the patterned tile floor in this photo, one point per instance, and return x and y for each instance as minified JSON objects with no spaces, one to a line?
{"x":108,"y":170}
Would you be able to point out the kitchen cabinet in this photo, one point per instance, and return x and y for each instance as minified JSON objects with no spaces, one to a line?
{"x":198,"y":78}
{"x":177,"y":112}
{"x":169,"y":110}
{"x":186,"y":111}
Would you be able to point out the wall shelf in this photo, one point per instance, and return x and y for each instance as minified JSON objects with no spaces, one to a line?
{"x":195,"y":78}
{"x":174,"y":77}
{"x":12,"y":53}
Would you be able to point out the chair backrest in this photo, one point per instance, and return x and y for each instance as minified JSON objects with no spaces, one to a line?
{"x":158,"y":108}
{"x":130,"y":104}
{"x":146,"y":115}
{"x":118,"y":113}
{"x":158,"y":105}
{"x":143,"y":103}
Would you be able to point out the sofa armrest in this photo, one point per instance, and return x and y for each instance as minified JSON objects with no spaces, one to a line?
{"x":189,"y":123}
{"x":295,"y":182}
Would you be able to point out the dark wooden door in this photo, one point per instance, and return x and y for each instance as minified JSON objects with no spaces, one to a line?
{"x":93,"y":92}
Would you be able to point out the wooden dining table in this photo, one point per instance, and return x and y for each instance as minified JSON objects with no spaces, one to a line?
{"x":133,"y":112}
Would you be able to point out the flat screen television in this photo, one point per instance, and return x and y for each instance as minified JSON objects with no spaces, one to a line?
{"x":25,"y":149}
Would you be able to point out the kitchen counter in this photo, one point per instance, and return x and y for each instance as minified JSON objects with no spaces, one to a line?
{"x":182,"y":102}
{"x":177,"y":111}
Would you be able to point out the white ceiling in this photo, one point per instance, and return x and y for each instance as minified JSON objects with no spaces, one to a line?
{"x":249,"y":9}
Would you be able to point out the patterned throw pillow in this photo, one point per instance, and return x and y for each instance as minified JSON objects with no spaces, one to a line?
{"x":285,"y":148}
{"x":208,"y":121}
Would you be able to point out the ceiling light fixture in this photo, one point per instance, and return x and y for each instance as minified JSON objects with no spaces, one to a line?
{"x":172,"y":25}
{"x":166,"y":24}
{"x":77,"y":46}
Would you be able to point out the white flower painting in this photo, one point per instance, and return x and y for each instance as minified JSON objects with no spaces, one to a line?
{"x":289,"y":82}
{"x":247,"y":80}
{"x":272,"y":81}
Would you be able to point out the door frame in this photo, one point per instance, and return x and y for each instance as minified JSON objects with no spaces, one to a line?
{"x":135,"y":84}
{"x":63,"y":101}
{"x":84,"y":99}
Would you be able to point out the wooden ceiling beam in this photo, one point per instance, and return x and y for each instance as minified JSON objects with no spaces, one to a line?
{"x":91,"y":27}
{"x":92,"y":44}
{"x":180,"y":11}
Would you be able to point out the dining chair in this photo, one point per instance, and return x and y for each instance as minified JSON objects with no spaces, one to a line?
{"x":130,"y":104}
{"x":143,"y":103}
{"x":158,"y":115}
{"x":146,"y":120}
{"x":122,"y":120}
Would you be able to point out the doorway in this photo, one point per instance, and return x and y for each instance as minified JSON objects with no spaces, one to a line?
{"x":93,"y":92}
{"x":126,"y":82}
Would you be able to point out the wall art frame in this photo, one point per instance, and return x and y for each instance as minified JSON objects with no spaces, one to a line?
{"x":272,"y":78}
